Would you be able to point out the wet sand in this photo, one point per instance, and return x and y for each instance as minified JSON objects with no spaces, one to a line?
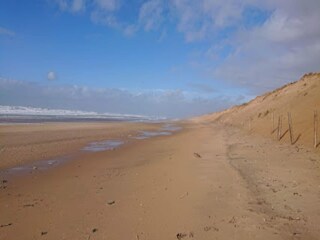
{"x":25,"y":143}
{"x":206,"y":181}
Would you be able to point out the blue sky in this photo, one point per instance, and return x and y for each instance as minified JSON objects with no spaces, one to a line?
{"x":205,"y":54}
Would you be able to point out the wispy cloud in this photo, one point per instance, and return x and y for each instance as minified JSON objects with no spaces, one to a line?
{"x":78,"y":5}
{"x":165,"y":103}
{"x":256,"y":44}
{"x":6,"y":32}
{"x":151,"y":14}
{"x":283,"y":48}
{"x":105,"y":12}
{"x":201,"y":19}
{"x":71,"y":5}
{"x":202,"y":87}
{"x":51,"y":76}
{"x":108,"y":5}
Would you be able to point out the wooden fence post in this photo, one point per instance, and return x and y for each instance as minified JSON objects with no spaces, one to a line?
{"x":290,"y":127}
{"x":315,"y":129}
{"x":272,"y":123}
{"x":279,"y":127}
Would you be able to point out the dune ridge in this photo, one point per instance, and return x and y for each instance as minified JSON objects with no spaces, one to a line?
{"x":261,"y":115}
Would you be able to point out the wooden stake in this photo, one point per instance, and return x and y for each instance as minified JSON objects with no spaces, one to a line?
{"x":290,"y":127}
{"x":315,"y":129}
{"x":272,"y":122}
{"x":279,"y":127}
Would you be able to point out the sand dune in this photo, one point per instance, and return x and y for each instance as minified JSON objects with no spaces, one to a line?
{"x":261,"y":115}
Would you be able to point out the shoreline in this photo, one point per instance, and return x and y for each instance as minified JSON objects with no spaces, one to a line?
{"x":109,"y":144}
{"x":24,"y":143}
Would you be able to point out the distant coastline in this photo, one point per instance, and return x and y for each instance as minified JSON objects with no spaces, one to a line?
{"x":19,"y":114}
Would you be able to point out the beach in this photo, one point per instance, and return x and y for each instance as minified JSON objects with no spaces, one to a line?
{"x":159,"y":120}
{"x":205,"y":181}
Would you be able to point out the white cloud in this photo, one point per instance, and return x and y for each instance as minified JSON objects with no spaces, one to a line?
{"x":165,"y":103}
{"x":51,"y":76}
{"x":108,"y":5}
{"x":201,"y":19}
{"x":105,"y":13}
{"x":6,"y":32}
{"x":282,"y":49}
{"x":62,"y":4}
{"x":71,"y":5}
{"x":205,"y":88}
{"x":130,"y":30}
{"x":259,"y":57}
{"x":151,"y":14}
{"x":78,"y":5}
{"x":103,"y":18}
{"x":278,"y":48}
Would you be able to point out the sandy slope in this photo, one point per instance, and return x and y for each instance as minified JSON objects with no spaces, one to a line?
{"x":300,"y":98}
{"x":237,"y":186}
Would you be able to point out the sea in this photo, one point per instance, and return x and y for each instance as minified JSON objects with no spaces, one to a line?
{"x":22,"y":114}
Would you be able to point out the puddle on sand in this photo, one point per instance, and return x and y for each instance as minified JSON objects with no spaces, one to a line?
{"x":171,"y":127}
{"x":35,"y":166}
{"x":149,"y":134}
{"x":102,"y":146}
{"x":41,"y":165}
{"x":166,"y":130}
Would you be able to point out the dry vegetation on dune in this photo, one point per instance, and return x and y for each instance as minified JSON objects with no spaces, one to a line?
{"x":299,"y":99}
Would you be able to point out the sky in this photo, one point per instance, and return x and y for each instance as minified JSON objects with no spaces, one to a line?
{"x":168,"y":58}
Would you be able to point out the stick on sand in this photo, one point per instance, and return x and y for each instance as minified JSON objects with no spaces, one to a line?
{"x":315,"y":128}
{"x":290,"y":127}
{"x":279,"y":127}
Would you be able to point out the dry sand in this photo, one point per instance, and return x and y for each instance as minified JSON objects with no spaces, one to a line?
{"x":208,"y":181}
